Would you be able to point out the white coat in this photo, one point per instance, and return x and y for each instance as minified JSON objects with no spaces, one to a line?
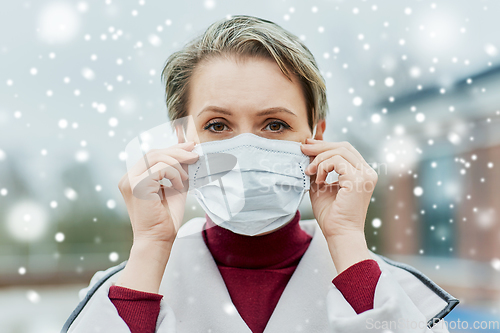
{"x":196,"y":299}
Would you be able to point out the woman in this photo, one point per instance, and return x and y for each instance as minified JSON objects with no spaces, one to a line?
{"x":254,"y":98}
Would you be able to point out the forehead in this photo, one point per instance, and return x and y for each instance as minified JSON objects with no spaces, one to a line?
{"x":250,"y":83}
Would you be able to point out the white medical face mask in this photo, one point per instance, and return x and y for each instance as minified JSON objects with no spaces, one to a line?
{"x":249,"y":184}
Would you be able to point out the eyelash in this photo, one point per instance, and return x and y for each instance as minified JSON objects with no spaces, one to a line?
{"x":212,"y":123}
{"x":284,"y":125}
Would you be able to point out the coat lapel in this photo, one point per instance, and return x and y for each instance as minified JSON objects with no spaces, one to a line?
{"x":193,"y":287}
{"x":302,"y":306}
{"x":432,"y":300}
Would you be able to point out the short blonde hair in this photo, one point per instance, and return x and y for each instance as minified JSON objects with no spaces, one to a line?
{"x":244,"y":35}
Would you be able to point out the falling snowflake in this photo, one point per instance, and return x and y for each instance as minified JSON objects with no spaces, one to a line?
{"x":58,"y":22}
{"x":495,"y":263}
{"x":63,"y":123}
{"x":33,"y":296}
{"x":113,"y":257}
{"x":418,"y":191}
{"x":389,"y":81}
{"x":376,"y":223}
{"x":357,"y":101}
{"x":111,"y":204}
{"x":59,"y":237}
{"x":70,"y":194}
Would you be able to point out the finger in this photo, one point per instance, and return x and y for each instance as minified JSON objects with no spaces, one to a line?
{"x":317,"y":146}
{"x":337,"y":163}
{"x":165,"y":159}
{"x":155,"y":156}
{"x":342,"y":151}
{"x":159,"y":171}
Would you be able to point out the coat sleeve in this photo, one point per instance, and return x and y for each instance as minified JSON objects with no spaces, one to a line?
{"x":393,"y":311}
{"x":97,"y":313}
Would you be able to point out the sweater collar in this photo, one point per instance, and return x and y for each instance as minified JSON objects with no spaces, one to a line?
{"x":275,"y":250}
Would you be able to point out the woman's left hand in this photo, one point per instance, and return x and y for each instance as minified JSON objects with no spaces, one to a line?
{"x":340,"y":207}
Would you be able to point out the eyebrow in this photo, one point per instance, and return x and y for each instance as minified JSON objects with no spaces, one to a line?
{"x":264,"y":112}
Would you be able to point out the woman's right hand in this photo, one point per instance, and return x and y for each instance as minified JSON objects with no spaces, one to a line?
{"x":155,"y":212}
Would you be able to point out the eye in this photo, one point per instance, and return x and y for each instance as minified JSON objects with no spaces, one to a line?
{"x":216,"y":126}
{"x":277,"y":126}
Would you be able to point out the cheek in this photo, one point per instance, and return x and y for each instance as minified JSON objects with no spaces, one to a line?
{"x":303,"y":133}
{"x":298,"y":136}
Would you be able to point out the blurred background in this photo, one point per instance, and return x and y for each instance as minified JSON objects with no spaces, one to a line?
{"x":413,"y":85}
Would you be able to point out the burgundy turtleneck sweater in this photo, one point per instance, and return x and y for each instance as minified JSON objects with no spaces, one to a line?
{"x":256,"y":270}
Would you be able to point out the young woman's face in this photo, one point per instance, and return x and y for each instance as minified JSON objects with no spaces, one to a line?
{"x":251,"y":95}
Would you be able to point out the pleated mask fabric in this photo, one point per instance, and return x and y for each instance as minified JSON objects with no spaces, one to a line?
{"x":249,"y":184}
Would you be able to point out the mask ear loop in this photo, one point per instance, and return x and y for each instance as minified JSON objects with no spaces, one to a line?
{"x":314,"y":131}
{"x":184,"y":135}
{"x":313,"y":135}
{"x":183,"y":126}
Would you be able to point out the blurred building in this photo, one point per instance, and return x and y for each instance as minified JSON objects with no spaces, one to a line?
{"x":442,"y":195}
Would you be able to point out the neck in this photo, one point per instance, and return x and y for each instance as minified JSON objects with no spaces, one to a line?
{"x":262,"y":251}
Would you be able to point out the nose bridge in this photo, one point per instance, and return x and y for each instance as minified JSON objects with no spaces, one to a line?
{"x":246,"y":124}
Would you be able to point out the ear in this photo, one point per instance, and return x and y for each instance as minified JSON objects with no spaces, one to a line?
{"x":180,"y":133}
{"x":320,"y":129}
{"x":185,"y":130}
